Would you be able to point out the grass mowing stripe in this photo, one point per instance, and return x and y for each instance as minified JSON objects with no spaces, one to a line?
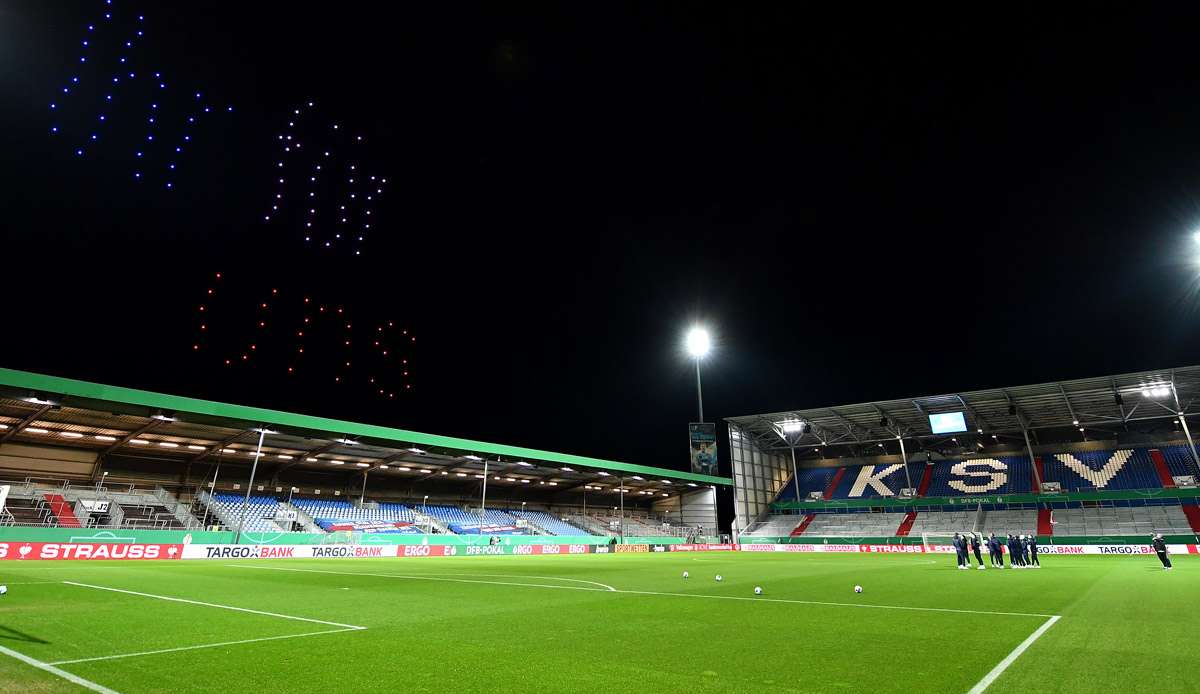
{"x":1016,"y":653}
{"x":74,"y":679}
{"x":427,"y":578}
{"x":212,"y":604}
{"x":649,"y":592}
{"x":205,"y":645}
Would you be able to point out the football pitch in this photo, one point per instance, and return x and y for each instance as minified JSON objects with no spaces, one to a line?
{"x":599,"y":623}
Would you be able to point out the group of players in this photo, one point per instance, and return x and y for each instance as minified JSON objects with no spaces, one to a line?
{"x":1022,"y":550}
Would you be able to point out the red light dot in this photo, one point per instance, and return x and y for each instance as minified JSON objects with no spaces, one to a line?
{"x":300,"y":333}
{"x":195,"y":346}
{"x":227,"y":362}
{"x":381,"y":391}
{"x":347,"y":343}
{"x":245,"y":356}
{"x":203,"y":327}
{"x":305,"y":319}
{"x":403,"y":332}
{"x":322,"y":309}
{"x":274,"y":291}
{"x":210,"y":291}
{"x":391,"y":395}
{"x":302,"y":350}
{"x":405,"y":373}
{"x":379,"y":329}
{"x":264,"y":305}
{"x":347,"y":363}
{"x":339,"y":310}
{"x":253,"y":347}
{"x":407,"y":386}
{"x":403,"y":361}
{"x":218,"y":275}
{"x":290,"y":369}
{"x":385,"y":352}
{"x":337,"y":379}
{"x":377,"y":343}
{"x":372,"y":380}
{"x":202,"y":308}
{"x":306,"y":299}
{"x":262,"y":324}
{"x":347,"y":326}
{"x":391,"y":324}
{"x":414,"y":339}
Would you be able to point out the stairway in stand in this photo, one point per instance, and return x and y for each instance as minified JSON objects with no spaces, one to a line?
{"x":62,"y":511}
{"x":1045,"y":527}
{"x":1160,"y":465}
{"x":833,"y":483}
{"x":799,"y":529}
{"x":906,"y":524}
{"x":1192,"y":511}
{"x":926,"y":479}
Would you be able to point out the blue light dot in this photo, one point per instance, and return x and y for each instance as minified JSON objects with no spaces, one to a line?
{"x":141,"y":18}
{"x":158,"y":74}
{"x":91,"y":27}
{"x":75,"y":80}
{"x":170,"y":185}
{"x":171,"y":166}
{"x":122,"y":59}
{"x":54,"y":128}
{"x":178,"y":149}
{"x":187,"y":138}
{"x":161,"y":85}
{"x":152,"y":119}
{"x":197,"y":95}
{"x":191,"y":119}
{"x":85,"y":43}
{"x":108,"y":15}
{"x":53,"y":105}
{"x":83,"y":59}
{"x":115,"y":80}
{"x":65,"y":90}
{"x":149,"y":137}
{"x":101,"y":116}
{"x":137,"y":174}
{"x":206,"y":109}
{"x":79,"y":152}
{"x":94,"y":136}
{"x":108,"y":97}
{"x":153,"y":105}
{"x":140,"y":33}
{"x":139,"y":154}
{"x":131,"y":75}
{"x":229,"y":110}
{"x":129,"y":44}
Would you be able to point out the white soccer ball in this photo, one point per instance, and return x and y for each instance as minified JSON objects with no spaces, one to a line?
{"x":3,"y":590}
{"x":758,"y":590}
{"x":685,"y":574}
{"x":719,"y":578}
{"x":857,"y":589}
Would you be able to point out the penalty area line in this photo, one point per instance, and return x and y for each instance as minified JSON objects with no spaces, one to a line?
{"x":47,"y":667}
{"x":1016,"y":653}
{"x":201,"y":646}
{"x":168,"y":598}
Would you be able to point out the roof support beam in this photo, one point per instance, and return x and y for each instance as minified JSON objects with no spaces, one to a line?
{"x":19,"y":426}
{"x":129,"y":437}
{"x":218,"y":448}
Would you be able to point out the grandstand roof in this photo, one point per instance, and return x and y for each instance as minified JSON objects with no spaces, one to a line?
{"x":1104,"y":406}
{"x":36,"y":408}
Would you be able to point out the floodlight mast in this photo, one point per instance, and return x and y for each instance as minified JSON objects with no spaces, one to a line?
{"x":262,"y":433}
{"x":791,"y":430}
{"x":698,"y":345}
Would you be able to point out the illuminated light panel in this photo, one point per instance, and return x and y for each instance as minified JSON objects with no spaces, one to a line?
{"x":194,"y":447}
{"x":168,"y":444}
{"x":72,"y":435}
{"x":36,"y":430}
{"x":139,"y":442}
{"x":104,"y":437}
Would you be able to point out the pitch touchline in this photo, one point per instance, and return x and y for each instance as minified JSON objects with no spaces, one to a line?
{"x":646,"y":592}
{"x":205,"y":645}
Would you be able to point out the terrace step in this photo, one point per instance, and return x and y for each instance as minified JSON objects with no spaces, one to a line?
{"x":799,"y":529}
{"x":62,"y":511}
{"x":907,"y":524}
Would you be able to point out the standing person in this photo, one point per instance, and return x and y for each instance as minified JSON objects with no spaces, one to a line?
{"x":1033,"y":558}
{"x":975,"y":549}
{"x":996,"y":552}
{"x":1025,"y":551}
{"x":960,"y":548}
{"x":1160,"y":548}
{"x":1014,"y":552}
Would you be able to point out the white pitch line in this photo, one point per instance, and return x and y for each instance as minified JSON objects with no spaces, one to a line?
{"x":999,"y":669}
{"x":213,"y":604}
{"x":422,"y":578}
{"x":205,"y":645}
{"x":75,"y":679}
{"x":649,"y":592}
{"x":543,"y":578}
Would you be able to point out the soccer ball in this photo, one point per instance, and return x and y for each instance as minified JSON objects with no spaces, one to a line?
{"x":758,"y":590}
{"x":857,"y":589}
{"x":3,"y":590}
{"x":685,"y":574}
{"x":719,"y":579}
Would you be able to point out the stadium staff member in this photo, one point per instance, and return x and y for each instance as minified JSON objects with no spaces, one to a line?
{"x":1033,"y":560}
{"x":975,"y":549}
{"x":960,"y":548}
{"x":1160,"y":548}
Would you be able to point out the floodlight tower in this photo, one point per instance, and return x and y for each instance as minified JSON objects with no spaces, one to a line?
{"x":698,"y":345}
{"x":791,"y":430}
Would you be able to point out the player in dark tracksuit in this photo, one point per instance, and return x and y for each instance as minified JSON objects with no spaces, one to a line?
{"x":996,"y":553}
{"x":960,"y":548}
{"x":1025,"y":550}
{"x":975,"y":549}
{"x":1014,"y":552}
{"x":1160,"y":548}
{"x":1033,"y":558}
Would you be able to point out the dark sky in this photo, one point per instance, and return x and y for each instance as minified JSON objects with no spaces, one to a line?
{"x":860,"y":206}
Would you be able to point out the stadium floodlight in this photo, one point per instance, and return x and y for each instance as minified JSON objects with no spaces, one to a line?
{"x":472,"y":457}
{"x":264,"y":430}
{"x":602,"y":473}
{"x":692,"y":484}
{"x":552,"y":484}
{"x":343,"y":440}
{"x":522,"y":463}
{"x":418,"y":451}
{"x":640,"y":479}
{"x":164,"y":416}
{"x":698,"y":342}
{"x":566,"y":469}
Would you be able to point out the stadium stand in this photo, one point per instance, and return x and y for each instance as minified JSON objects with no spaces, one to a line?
{"x":1132,"y":520}
{"x":1179,"y":460}
{"x":551,"y":524}
{"x":61,"y":510}
{"x":861,"y":483}
{"x":853,"y":524}
{"x":339,"y":514}
{"x":228,"y":509}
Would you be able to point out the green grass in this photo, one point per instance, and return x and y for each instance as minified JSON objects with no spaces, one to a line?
{"x":1125,"y":625}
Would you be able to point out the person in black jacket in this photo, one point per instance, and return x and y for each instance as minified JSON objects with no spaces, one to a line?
{"x":1033,"y":558}
{"x":975,"y":549}
{"x":1014,"y":552}
{"x":996,"y":553}
{"x":960,"y":548}
{"x":1160,"y":548}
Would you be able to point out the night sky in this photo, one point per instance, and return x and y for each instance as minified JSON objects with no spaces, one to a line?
{"x":859,"y":206}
